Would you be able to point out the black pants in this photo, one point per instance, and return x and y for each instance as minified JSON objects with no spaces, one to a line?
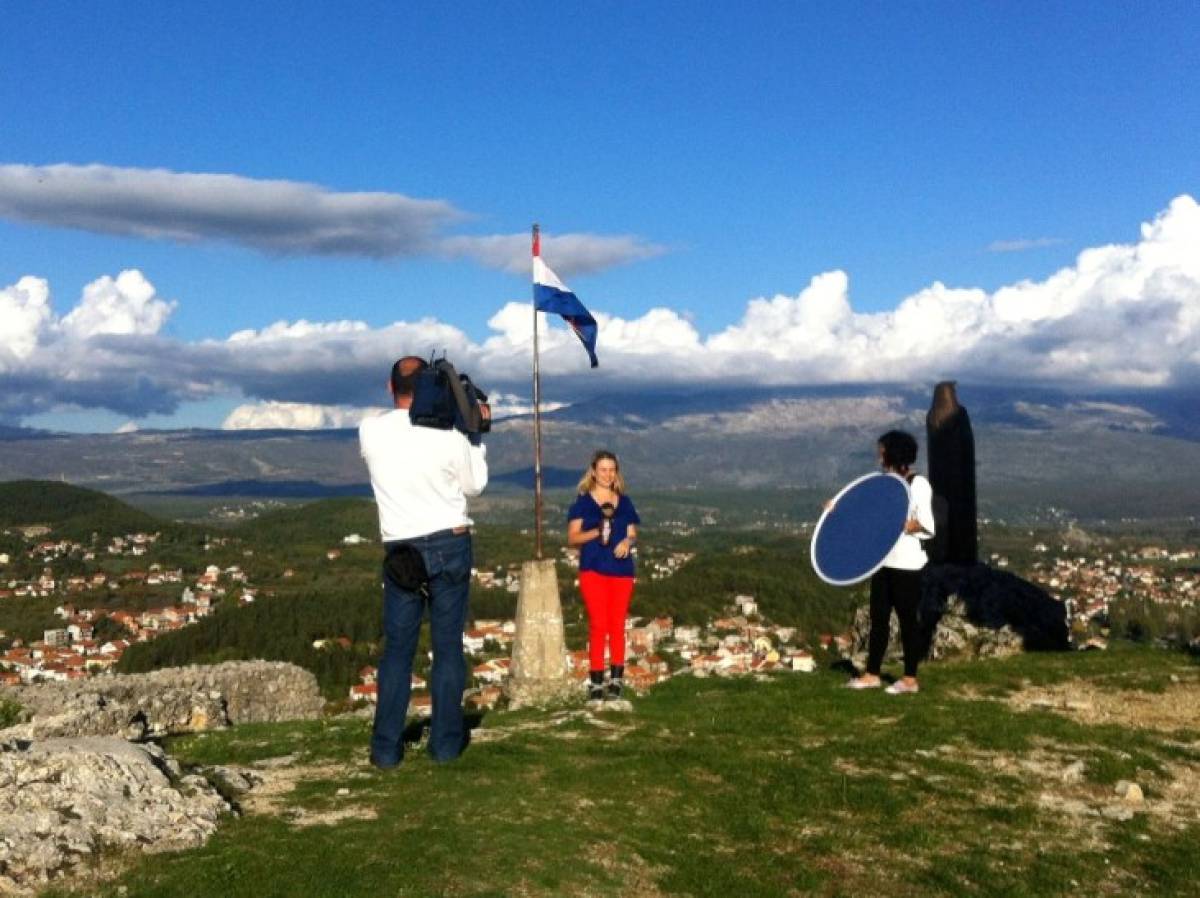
{"x":901,"y":590}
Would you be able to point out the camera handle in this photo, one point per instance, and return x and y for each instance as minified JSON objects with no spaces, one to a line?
{"x":470,"y":413}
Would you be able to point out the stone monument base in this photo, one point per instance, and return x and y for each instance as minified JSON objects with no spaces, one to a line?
{"x":540,"y":675}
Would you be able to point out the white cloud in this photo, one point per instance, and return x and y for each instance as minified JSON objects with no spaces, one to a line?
{"x":273,"y":415}
{"x":1122,"y":315}
{"x":127,"y":427}
{"x":274,"y":216}
{"x":507,"y":405}
{"x":25,"y":315}
{"x":127,"y":304}
{"x":1023,"y":244}
{"x":1125,"y":315}
{"x":279,"y":217}
{"x":295,"y":416}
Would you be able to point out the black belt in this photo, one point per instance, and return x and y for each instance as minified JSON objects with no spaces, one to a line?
{"x":438,"y":534}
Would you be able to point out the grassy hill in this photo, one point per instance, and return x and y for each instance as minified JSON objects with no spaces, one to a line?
{"x":999,"y":779}
{"x":69,"y":511}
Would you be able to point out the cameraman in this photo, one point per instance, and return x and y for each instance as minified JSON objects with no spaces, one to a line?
{"x":422,"y":477}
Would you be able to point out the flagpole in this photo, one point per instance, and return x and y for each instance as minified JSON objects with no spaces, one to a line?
{"x":537,"y":419}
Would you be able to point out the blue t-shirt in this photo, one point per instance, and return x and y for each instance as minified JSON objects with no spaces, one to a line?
{"x":592,"y":555}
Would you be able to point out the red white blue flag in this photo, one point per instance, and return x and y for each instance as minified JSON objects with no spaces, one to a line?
{"x":551,"y":295}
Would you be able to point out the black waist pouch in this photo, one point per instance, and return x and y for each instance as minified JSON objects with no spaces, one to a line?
{"x":404,"y":566}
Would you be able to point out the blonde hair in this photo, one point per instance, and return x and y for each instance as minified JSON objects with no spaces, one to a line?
{"x":587,"y":483}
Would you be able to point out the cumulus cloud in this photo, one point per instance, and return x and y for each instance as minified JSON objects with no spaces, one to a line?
{"x":1125,"y":315}
{"x":25,"y":314}
{"x":509,"y":405}
{"x":278,"y":217}
{"x":105,"y":353}
{"x":127,"y":304}
{"x":272,"y":415}
{"x":296,"y":416}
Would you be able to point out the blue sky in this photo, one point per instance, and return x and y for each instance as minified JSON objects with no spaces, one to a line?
{"x":749,"y":148}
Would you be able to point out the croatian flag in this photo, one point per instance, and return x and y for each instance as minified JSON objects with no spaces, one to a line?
{"x":551,"y":295}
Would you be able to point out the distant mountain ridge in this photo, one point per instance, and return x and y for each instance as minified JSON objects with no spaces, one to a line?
{"x":1116,"y":454}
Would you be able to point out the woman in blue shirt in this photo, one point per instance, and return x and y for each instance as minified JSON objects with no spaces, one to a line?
{"x":602,"y":524}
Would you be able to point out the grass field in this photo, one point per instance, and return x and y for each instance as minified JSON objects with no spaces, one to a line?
{"x":999,"y":779}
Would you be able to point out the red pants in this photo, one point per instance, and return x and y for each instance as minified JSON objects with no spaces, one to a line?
{"x":607,"y":601}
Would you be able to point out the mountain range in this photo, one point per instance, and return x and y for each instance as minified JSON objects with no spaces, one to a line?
{"x":1114,"y":456}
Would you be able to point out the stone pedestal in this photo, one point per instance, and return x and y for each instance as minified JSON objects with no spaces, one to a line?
{"x":539,"y":658}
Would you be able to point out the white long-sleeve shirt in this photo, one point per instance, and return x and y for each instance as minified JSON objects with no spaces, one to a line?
{"x":421,"y":476}
{"x":907,"y":554}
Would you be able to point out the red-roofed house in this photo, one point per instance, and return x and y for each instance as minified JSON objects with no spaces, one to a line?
{"x":364,"y":692}
{"x":421,"y":705}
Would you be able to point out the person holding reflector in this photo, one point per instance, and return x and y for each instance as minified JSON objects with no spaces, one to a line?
{"x":872,"y":512}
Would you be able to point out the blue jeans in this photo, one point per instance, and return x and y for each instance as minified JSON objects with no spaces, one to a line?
{"x":448,"y":560}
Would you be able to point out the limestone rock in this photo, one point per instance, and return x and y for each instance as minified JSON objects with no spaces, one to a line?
{"x":617,"y":705}
{"x":1130,"y":793}
{"x":167,"y":702}
{"x":233,"y":780}
{"x":1073,"y":772}
{"x":64,"y":800}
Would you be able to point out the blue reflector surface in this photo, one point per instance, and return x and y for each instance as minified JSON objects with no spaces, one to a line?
{"x":853,"y":537}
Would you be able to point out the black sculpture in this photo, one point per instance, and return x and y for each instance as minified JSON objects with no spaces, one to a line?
{"x":951,"y":448}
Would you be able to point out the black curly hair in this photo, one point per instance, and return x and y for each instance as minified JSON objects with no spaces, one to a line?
{"x":899,"y":449}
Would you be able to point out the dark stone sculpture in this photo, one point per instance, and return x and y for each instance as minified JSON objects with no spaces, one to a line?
{"x":951,"y":448}
{"x":993,"y":599}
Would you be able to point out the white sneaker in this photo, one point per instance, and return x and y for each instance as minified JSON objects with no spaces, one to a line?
{"x":863,"y":683}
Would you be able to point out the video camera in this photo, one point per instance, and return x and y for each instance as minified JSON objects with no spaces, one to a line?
{"x":443,"y":398}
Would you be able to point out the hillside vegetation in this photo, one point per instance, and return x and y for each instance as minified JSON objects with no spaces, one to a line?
{"x":776,"y":571}
{"x":1003,"y":778}
{"x":70,"y":511}
{"x":331,"y":599}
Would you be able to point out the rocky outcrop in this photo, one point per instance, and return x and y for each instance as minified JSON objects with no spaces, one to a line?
{"x":954,"y":636}
{"x":73,"y":784}
{"x":976,"y":611}
{"x":167,"y":702}
{"x":64,"y":800}
{"x":992,"y":599}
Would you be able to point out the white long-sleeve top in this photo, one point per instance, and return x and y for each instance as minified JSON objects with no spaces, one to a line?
{"x":907,"y":554}
{"x":421,"y":476}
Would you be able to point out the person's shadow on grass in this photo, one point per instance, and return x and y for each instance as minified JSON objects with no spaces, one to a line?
{"x":417,"y":731}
